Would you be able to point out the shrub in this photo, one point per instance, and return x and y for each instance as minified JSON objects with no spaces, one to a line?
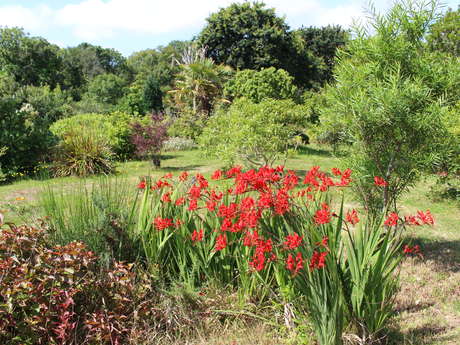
{"x":149,"y":138}
{"x":259,"y":85}
{"x":83,"y":153}
{"x":59,"y":295}
{"x":261,"y":230}
{"x":115,"y":127}
{"x":255,"y":133}
{"x":178,"y":144}
{"x":187,"y":124}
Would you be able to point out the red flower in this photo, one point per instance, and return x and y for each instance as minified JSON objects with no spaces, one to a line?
{"x":323,"y":242}
{"x":166,"y":197}
{"x":221,"y":242}
{"x":193,"y":205}
{"x":294,"y":265}
{"x":141,"y":185}
{"x":251,"y":239}
{"x":426,"y":218}
{"x":180,"y":201}
{"x":184,"y":176}
{"x":197,"y":236}
{"x":336,"y":172}
{"x":258,"y":261}
{"x":378,"y":181}
{"x":217,"y":175}
{"x":292,"y":241}
{"x":211,"y":205}
{"x":162,"y":223}
{"x":392,"y":219}
{"x":318,"y":260}
{"x":352,"y":217}
{"x":414,"y":250}
{"x":411,"y":220}
{"x":323,"y":216}
{"x":195,"y":192}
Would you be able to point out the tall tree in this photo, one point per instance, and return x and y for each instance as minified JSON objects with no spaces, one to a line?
{"x":445,"y":33}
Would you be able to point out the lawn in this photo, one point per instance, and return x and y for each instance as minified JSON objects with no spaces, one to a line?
{"x":428,"y":303}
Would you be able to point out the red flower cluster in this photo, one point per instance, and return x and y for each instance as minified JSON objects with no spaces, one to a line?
{"x":414,"y":250}
{"x":323,"y":216}
{"x":392,"y":219}
{"x":292,"y":241}
{"x":318,"y":260}
{"x":294,"y":264}
{"x":162,"y":223}
{"x":352,"y":217}
{"x":197,"y":236}
{"x":378,"y":181}
{"x":320,"y":181}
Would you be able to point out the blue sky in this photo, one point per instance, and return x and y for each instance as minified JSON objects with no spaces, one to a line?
{"x":133,"y":25}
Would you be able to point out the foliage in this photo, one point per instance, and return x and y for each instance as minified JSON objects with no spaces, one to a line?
{"x":106,"y":88}
{"x":149,"y":138}
{"x":259,"y":85}
{"x":178,"y":144}
{"x":445,"y":33}
{"x":390,"y":98}
{"x":323,"y":43}
{"x":250,"y":36}
{"x":261,"y":231}
{"x":82,"y":153}
{"x":153,"y":96}
{"x":187,"y":124}
{"x":30,"y":60}
{"x":25,"y":133}
{"x":199,"y":83}
{"x":100,"y":214}
{"x":115,"y":127}
{"x":60,"y":295}
{"x":256,"y":133}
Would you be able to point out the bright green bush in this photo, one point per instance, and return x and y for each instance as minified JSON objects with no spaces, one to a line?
{"x":255,"y":133}
{"x":115,"y":127}
{"x":259,"y":85}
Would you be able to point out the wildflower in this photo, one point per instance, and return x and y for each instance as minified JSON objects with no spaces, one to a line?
{"x":193,"y":205}
{"x":197,"y":236}
{"x":216,"y":175}
{"x":318,"y":260}
{"x":323,"y":216}
{"x":392,"y":219}
{"x":166,"y":197}
{"x":426,"y":218}
{"x":292,"y":241}
{"x":180,"y":201}
{"x":352,"y":217}
{"x":221,"y":242}
{"x":162,"y":223}
{"x":378,"y":181}
{"x":141,"y":185}
{"x":184,"y":176}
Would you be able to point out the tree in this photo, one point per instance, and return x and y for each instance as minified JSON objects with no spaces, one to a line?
{"x":199,"y":82}
{"x":106,"y":88}
{"x":30,"y":60}
{"x":390,"y":97}
{"x":445,"y":33}
{"x":323,"y":43}
{"x":153,"y":97}
{"x":250,"y":36}
{"x":259,"y":85}
{"x":256,"y":133}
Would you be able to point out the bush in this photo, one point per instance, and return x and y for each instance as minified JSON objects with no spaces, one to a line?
{"x":148,"y":138}
{"x":115,"y":127}
{"x":187,"y":124}
{"x":178,"y":144}
{"x":254,"y":133}
{"x":82,"y":153}
{"x":59,"y":295}
{"x":259,"y":85}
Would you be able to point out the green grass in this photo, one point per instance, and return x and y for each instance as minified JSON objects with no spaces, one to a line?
{"x":429,"y":300}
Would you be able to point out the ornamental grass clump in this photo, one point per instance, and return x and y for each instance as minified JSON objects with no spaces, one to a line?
{"x":270,"y":232}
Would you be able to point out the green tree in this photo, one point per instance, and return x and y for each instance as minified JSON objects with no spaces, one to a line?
{"x":256,"y":133}
{"x":390,"y":99}
{"x":153,"y":97}
{"x":323,"y":43}
{"x":445,"y":33}
{"x":106,"y":88}
{"x":250,"y":36}
{"x":30,"y":60}
{"x":259,"y":85}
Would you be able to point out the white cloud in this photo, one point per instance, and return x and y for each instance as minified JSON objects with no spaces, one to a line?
{"x":27,"y":18}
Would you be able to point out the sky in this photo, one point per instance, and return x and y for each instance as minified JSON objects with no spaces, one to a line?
{"x":133,"y":25}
